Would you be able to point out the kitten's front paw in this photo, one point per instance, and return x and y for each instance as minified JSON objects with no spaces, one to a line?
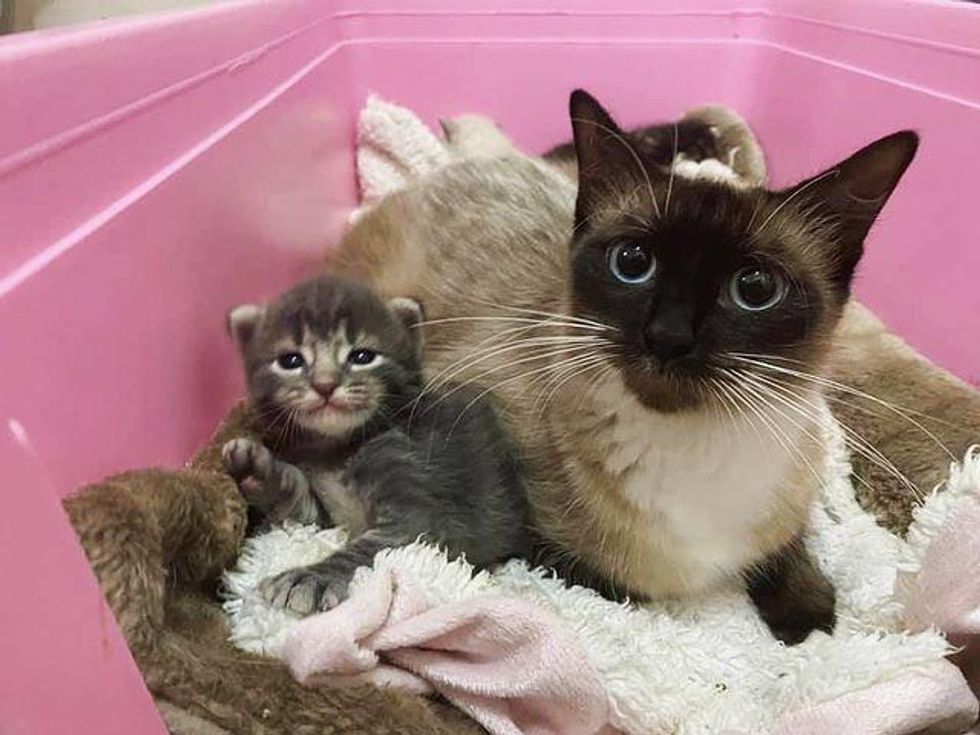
{"x":250,"y":464}
{"x":247,"y":458}
{"x":304,"y":590}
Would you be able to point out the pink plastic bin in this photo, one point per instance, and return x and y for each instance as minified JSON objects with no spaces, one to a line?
{"x":155,"y":172}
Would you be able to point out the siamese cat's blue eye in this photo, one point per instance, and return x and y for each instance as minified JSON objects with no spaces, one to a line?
{"x":631,"y":262}
{"x":290,"y":361}
{"x":757,"y":288}
{"x":362,"y":357}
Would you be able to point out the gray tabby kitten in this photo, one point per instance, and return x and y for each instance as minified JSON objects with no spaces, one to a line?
{"x":334,"y":377}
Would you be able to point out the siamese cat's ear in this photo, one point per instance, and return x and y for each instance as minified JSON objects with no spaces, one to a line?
{"x":243,"y":322}
{"x":852,"y":194}
{"x":606,"y":158}
{"x":411,"y":314}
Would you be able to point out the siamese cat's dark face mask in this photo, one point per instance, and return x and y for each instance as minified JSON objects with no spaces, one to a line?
{"x":716,"y":291}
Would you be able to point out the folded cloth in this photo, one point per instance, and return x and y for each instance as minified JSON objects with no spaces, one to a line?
{"x":511,"y":665}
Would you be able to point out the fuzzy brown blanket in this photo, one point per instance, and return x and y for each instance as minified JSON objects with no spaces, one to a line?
{"x":158,"y":541}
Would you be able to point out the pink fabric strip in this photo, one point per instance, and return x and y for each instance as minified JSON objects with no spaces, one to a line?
{"x":512,"y":666}
{"x":934,"y":700}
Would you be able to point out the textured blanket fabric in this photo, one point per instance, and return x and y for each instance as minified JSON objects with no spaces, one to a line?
{"x":158,"y":541}
{"x":511,"y":665}
{"x":702,"y":667}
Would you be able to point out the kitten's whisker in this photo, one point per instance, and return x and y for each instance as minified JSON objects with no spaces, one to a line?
{"x":625,"y":143}
{"x":796,"y":192}
{"x":281,"y":412}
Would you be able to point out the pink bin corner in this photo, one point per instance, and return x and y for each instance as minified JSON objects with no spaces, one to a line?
{"x":155,"y":172}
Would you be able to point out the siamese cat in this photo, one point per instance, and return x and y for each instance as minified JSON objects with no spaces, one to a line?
{"x":660,"y":346}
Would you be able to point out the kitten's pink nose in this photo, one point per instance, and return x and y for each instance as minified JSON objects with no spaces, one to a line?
{"x":325,"y":388}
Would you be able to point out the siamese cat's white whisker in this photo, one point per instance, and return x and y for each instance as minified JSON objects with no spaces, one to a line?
{"x":537,"y":344}
{"x":597,"y":379}
{"x":549,"y":315}
{"x":857,"y":393}
{"x":862,"y":394}
{"x":505,"y":336}
{"x":673,"y":171}
{"x":829,"y":383}
{"x":742,"y":396}
{"x":766,"y":393}
{"x":626,"y":144}
{"x":498,"y":385}
{"x":755,"y":212}
{"x":789,"y":445}
{"x":641,"y":225}
{"x":795,"y":193}
{"x":730,"y":389}
{"x":857,"y":442}
{"x":554,"y":384}
{"x":722,"y":400}
{"x":573,"y":350}
{"x":534,"y":323}
{"x":567,"y":375}
{"x":867,"y":484}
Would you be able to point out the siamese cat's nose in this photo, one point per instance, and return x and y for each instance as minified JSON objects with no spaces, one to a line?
{"x":668,"y":341}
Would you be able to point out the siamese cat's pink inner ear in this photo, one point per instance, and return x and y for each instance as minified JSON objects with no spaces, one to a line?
{"x":600,"y":145}
{"x":592,"y":126}
{"x":871,"y":174}
{"x":243,"y":322}
{"x":607,"y":160}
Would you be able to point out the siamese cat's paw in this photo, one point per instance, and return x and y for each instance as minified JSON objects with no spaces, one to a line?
{"x":307,"y":589}
{"x":793,"y":596}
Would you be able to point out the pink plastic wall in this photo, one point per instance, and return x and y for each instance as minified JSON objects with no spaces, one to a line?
{"x":154,"y":173}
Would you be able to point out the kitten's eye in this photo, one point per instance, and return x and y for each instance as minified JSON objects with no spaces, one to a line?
{"x":362,"y":357}
{"x":631,"y":262}
{"x":757,"y":288}
{"x":290,"y":361}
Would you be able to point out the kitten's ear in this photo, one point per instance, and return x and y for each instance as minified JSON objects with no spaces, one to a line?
{"x":853,"y":193}
{"x":411,"y":314}
{"x":243,"y":321}
{"x":603,"y":151}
